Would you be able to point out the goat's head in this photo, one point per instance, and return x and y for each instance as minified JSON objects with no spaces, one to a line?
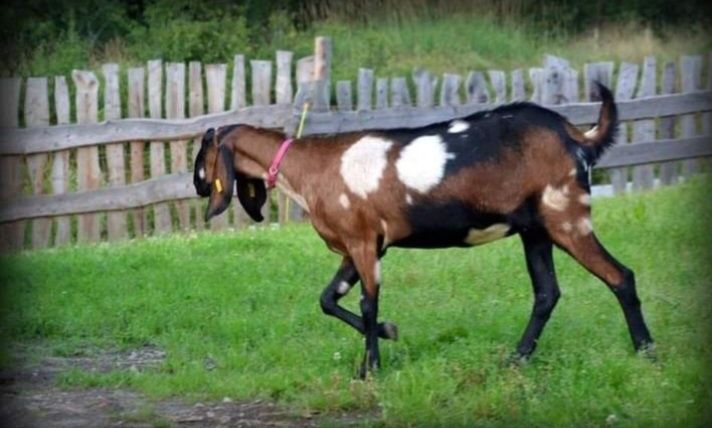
{"x":215,"y":175}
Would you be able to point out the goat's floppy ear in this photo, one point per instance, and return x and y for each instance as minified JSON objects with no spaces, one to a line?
{"x":252,"y":195}
{"x":202,"y":187}
{"x":223,"y":182}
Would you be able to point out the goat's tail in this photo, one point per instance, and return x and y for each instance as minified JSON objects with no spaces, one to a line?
{"x":603,"y":135}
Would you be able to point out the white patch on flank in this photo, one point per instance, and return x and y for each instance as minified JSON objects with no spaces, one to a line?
{"x":421,"y":164}
{"x":572,"y":173}
{"x":201,"y":173}
{"x":343,"y":288}
{"x":489,"y":234}
{"x":377,"y":272}
{"x":458,"y":126}
{"x":408,"y":199}
{"x":591,"y":133}
{"x":584,"y":226}
{"x":585,"y":199}
{"x":344,"y":201}
{"x":556,"y":199}
{"x":566,"y":226}
{"x":363,"y":163}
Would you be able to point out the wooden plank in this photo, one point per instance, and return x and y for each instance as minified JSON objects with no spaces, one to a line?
{"x":381,"y":93}
{"x":552,"y":89}
{"x":691,"y":77}
{"x":27,"y":141}
{"x":536,"y":77}
{"x":425,"y":83}
{"x":518,"y":91}
{"x":261,"y":82}
{"x":627,"y":80}
{"x":644,"y":130}
{"x":116,"y":222}
{"x":180,"y":186}
{"x":476,"y":88}
{"x":238,"y":91}
{"x":162,"y":222}
{"x":450,"y":91}
{"x":37,"y":114}
{"x":305,"y":69}
{"x":175,"y":109}
{"x":283,"y":85}
{"x":666,"y":128}
{"x":399,"y":92}
{"x":12,"y":234}
{"x":343,"y":95}
{"x":196,"y":107}
{"x":365,"y":89}
{"x":60,"y":160}
{"x":137,"y":108}
{"x":322,"y":63}
{"x":499,"y":83}
{"x":597,"y":72}
{"x":707,"y":116}
{"x":215,"y":78}
{"x":88,"y":170}
{"x":571,"y":86}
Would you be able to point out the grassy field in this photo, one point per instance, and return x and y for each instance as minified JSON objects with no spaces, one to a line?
{"x":248,"y":303}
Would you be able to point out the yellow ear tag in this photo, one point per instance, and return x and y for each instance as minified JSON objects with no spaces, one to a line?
{"x":251,"y":188}
{"x":218,"y":185}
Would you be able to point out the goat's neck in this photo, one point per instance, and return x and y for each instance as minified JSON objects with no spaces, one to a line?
{"x":256,"y":149}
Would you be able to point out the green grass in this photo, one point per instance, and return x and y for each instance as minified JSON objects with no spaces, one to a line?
{"x":249,"y":303}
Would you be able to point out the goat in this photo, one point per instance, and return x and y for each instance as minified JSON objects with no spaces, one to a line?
{"x":517,"y":169}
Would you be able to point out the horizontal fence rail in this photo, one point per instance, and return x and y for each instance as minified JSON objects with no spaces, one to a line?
{"x":79,"y":163}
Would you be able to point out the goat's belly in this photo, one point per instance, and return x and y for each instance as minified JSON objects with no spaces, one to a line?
{"x":445,"y":238}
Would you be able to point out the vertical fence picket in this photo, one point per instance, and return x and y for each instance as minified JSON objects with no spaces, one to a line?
{"x":305,"y":69}
{"x":691,"y":74}
{"x":571,"y":86}
{"x":596,"y":72}
{"x":666,"y":127}
{"x":215,"y":75}
{"x":425,"y":84}
{"x":37,"y":114}
{"x":476,"y":88}
{"x":518,"y":91}
{"x":60,"y":160}
{"x":197,"y":108}
{"x":115,"y":220}
{"x":450,"y":91}
{"x":644,"y":130}
{"x":261,"y":82}
{"x":536,"y":76}
{"x":707,"y":116}
{"x":399,"y":92}
{"x":499,"y":84}
{"x":175,"y":109}
{"x":12,"y":233}
{"x":381,"y":93}
{"x":88,"y":170}
{"x":283,"y":84}
{"x":627,"y":80}
{"x":322,"y":67}
{"x":136,"y":109}
{"x":161,"y":211}
{"x":365,"y":89}
{"x":237,"y":92}
{"x":343,"y":95}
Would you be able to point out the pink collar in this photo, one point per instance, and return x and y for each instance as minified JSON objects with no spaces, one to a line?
{"x":276,"y":162}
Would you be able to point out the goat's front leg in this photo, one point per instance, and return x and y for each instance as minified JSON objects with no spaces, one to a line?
{"x":339,"y":286}
{"x":368,"y":266}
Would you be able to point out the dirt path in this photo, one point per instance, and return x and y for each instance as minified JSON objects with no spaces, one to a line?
{"x":29,"y":398}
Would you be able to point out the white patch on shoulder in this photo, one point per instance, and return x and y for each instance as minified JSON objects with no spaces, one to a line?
{"x":489,"y":234}
{"x":584,"y":226}
{"x":556,"y":199}
{"x":343,"y":288}
{"x":458,"y":126}
{"x":363,"y":163}
{"x":344,"y":201}
{"x":201,"y":173}
{"x":408,"y":199}
{"x":377,"y":272}
{"x":585,"y":199}
{"x":421,"y":164}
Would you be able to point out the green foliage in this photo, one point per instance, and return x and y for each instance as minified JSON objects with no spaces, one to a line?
{"x":248,"y":302}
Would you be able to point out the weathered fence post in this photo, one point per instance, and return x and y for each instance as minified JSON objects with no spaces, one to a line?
{"x":644,"y":130}
{"x":136,"y":109}
{"x":450,"y":91}
{"x":37,"y":114}
{"x":400,"y":96}
{"x":115,"y":220}
{"x":88,"y":170}
{"x":197,"y":108}
{"x":215,"y":75}
{"x":499,"y":84}
{"x":162,"y":216}
{"x":238,"y":92}
{"x":381,"y":93}
{"x":627,"y":79}
{"x":60,"y":161}
{"x":476,"y":87}
{"x":365,"y":89}
{"x":175,"y":109}
{"x":518,"y":91}
{"x":424,"y":87}
{"x":666,"y":130}
{"x":13,"y":233}
{"x":691,"y":73}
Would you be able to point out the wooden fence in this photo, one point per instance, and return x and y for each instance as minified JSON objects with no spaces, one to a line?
{"x":67,"y":178}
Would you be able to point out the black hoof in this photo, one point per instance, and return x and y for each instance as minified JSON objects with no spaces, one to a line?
{"x":388,"y":330}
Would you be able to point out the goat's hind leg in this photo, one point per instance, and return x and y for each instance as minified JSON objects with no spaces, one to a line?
{"x":540,"y":265}
{"x":339,"y":286}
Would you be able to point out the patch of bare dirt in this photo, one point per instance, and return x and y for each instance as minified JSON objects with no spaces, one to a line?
{"x":30,"y":398}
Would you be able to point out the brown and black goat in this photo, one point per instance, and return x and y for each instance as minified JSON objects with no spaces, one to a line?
{"x":518,"y":169}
